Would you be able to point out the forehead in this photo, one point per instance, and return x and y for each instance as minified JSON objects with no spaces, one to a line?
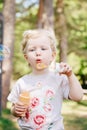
{"x":39,"y":40}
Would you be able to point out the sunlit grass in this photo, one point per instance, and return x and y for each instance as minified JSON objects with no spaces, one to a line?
{"x":7,"y":122}
{"x":73,"y":122}
{"x":75,"y":115}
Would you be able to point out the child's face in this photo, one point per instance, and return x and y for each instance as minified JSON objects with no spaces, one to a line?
{"x":39,"y":51}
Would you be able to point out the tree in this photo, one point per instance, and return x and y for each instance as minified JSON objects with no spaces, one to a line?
{"x":46,"y":15}
{"x":9,"y":24}
{"x":61,"y":30}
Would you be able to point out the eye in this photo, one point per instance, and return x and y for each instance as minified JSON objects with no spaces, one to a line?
{"x":43,"y":48}
{"x":31,"y":50}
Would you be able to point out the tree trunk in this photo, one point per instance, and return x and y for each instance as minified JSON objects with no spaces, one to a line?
{"x":46,"y":15}
{"x":9,"y":23}
{"x":61,"y":30}
{"x":40,"y":13}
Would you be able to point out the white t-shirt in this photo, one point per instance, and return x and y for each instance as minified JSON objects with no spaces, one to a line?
{"x":47,"y":92}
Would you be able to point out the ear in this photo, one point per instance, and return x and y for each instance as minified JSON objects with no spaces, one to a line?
{"x":25,"y":56}
{"x":54,"y":55}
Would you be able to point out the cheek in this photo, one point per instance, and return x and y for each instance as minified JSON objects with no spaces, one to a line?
{"x":49,"y":57}
{"x":50,"y":54}
{"x":31,"y":60}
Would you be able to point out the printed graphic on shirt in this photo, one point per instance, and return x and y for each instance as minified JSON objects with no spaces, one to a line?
{"x":47,"y":107}
{"x":49,"y":94}
{"x":50,"y":126}
{"x":34,"y":102}
{"x":39,"y":120}
{"x":41,"y":106}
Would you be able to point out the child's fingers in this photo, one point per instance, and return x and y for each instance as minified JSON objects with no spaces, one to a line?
{"x":65,"y":69}
{"x":20,"y":108}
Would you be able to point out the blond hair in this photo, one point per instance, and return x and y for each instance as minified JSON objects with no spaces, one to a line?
{"x":32,"y":34}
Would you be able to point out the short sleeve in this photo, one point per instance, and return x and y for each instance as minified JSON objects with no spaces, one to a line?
{"x":14,"y":94}
{"x":65,"y":87}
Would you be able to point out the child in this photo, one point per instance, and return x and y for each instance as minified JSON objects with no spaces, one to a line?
{"x":46,"y":88}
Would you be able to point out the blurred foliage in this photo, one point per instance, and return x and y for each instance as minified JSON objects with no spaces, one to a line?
{"x":77,"y":26}
{"x":1,"y":5}
{"x":7,"y":124}
{"x":75,"y":13}
{"x":76,"y":17}
{"x":6,"y":121}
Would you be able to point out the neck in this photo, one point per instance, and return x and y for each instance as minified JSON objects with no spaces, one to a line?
{"x":39,"y":72}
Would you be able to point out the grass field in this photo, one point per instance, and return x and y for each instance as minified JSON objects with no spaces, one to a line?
{"x":7,"y":121}
{"x":75,"y":117}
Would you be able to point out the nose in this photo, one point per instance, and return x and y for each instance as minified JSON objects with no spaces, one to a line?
{"x":38,"y":52}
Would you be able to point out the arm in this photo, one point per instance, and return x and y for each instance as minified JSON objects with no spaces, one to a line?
{"x":76,"y":92}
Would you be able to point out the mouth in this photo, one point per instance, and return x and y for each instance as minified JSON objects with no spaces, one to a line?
{"x":38,"y":61}
{"x":40,"y":65}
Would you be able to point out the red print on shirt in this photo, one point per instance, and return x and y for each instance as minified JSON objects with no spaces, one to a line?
{"x":39,"y":119}
{"x":49,"y":93}
{"x":47,"y":107}
{"x":34,"y":102}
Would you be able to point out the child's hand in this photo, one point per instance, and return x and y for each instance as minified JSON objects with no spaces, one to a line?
{"x":65,"y":69}
{"x":20,"y":109}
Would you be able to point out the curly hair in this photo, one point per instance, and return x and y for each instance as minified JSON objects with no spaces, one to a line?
{"x":32,"y":34}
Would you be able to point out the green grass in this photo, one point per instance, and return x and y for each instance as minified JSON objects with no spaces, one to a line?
{"x":75,"y":117}
{"x":7,"y":121}
{"x":7,"y":124}
{"x":73,"y":122}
